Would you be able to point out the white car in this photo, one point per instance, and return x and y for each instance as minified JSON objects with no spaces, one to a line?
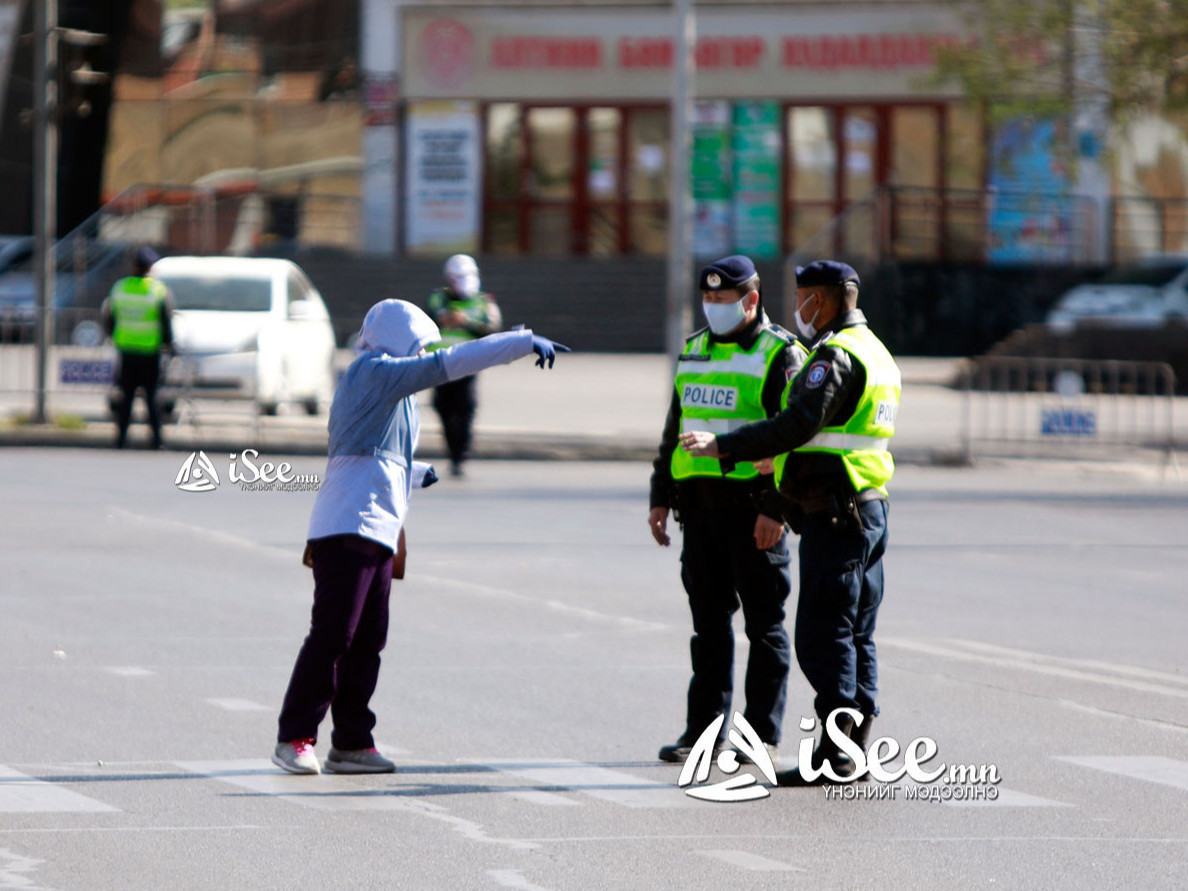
{"x":1143,"y":294}
{"x":255,"y":327}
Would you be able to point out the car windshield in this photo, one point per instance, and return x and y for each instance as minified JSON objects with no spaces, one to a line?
{"x":1156,"y":275}
{"x":220,"y":294}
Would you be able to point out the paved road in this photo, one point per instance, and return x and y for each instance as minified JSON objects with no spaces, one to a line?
{"x":1035,"y":620}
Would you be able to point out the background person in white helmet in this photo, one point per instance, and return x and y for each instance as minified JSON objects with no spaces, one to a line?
{"x":463,"y":312}
{"x":357,"y":526}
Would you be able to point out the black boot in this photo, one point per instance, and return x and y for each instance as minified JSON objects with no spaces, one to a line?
{"x":826,"y":750}
{"x":860,"y":734}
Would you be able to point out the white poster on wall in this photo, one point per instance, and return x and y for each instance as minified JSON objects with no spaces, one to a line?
{"x":442,"y":176}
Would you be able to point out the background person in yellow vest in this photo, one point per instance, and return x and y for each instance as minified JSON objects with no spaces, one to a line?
{"x":735,"y":547}
{"x":462,"y":312}
{"x":837,"y":422}
{"x":137,"y":317}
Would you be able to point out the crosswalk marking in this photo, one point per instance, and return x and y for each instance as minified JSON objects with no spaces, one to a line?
{"x":24,"y":794}
{"x":753,"y":862}
{"x":239,"y":705}
{"x":597,"y":782}
{"x":1153,"y":769}
{"x":1010,"y":798}
{"x":130,"y":671}
{"x":327,"y":792}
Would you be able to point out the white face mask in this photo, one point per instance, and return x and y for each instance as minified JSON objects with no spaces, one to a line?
{"x":807,"y":330}
{"x":465,"y":286}
{"x":724,"y":317}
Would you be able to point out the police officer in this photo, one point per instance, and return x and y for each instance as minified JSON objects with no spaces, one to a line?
{"x":137,"y":317}
{"x":838,"y":420}
{"x":462,"y":312}
{"x":735,"y":548}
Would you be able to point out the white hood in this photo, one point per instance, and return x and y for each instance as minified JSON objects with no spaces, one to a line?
{"x":398,"y":328}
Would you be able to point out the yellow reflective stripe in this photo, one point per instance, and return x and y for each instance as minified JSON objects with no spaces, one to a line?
{"x":849,"y":442}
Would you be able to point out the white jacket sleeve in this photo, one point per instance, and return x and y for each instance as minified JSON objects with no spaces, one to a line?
{"x":473,"y":356}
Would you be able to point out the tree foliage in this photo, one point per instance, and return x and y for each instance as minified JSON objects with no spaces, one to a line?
{"x":1128,"y":56}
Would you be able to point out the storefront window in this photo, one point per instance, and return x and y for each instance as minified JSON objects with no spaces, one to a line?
{"x":575,"y":180}
{"x":916,"y":174}
{"x":812,"y":183}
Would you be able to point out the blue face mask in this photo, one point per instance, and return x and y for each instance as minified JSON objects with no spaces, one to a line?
{"x":724,"y":317}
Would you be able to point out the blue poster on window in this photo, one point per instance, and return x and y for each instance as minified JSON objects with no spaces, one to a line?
{"x":1030,"y":215}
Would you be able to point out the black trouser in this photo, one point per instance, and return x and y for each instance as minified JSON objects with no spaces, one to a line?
{"x":143,"y":372}
{"x":841,"y":588}
{"x":455,"y":402}
{"x":339,"y":662}
{"x":720,"y":566}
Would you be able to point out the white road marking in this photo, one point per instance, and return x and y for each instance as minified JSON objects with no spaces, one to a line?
{"x":339,"y":792}
{"x":24,"y":794}
{"x":580,"y":612}
{"x":212,"y":535}
{"x":1094,"y":664}
{"x":239,"y":705}
{"x":513,"y":878}
{"x":130,"y":671}
{"x":548,"y":799}
{"x":326,"y":792}
{"x":951,"y":652}
{"x":15,"y":869}
{"x":597,"y":782}
{"x":750,"y":861}
{"x":1010,"y":798}
{"x":1153,"y":769}
{"x":235,"y":827}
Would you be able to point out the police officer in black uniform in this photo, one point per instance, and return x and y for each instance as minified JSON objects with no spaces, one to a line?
{"x":837,"y":422}
{"x":735,"y":546}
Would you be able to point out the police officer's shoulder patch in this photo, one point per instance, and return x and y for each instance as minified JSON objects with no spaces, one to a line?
{"x":815,"y":376}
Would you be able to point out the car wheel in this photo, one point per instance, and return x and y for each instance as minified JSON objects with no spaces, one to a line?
{"x":311,"y":407}
{"x":268,"y":408}
{"x":167,"y":409}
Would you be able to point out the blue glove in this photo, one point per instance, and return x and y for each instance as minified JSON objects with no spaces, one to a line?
{"x":546,"y":350}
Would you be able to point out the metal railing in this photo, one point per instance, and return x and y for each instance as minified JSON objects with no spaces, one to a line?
{"x":918,"y":223}
{"x":1068,"y":407}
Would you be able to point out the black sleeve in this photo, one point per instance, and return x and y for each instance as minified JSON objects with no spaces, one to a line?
{"x":662,"y":464}
{"x":812,"y":404}
{"x":108,"y":317}
{"x":167,"y":321}
{"x":771,"y":503}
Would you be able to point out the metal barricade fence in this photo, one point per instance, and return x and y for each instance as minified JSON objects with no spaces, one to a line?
{"x":1068,"y":407}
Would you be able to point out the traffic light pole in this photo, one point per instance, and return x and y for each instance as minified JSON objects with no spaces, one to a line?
{"x":680,"y":234}
{"x":45,"y":184}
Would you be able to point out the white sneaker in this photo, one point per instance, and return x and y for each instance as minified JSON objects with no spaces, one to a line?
{"x":296,"y":756}
{"x":358,"y":761}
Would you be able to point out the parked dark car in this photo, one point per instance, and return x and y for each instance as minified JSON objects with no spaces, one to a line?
{"x":85,"y":273}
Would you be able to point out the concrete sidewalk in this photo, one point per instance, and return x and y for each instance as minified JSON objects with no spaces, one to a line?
{"x":595,"y":406}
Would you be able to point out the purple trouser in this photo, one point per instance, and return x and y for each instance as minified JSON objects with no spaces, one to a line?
{"x":339,"y":662}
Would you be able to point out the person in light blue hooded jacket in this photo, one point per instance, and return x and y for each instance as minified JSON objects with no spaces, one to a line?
{"x":358,"y":521}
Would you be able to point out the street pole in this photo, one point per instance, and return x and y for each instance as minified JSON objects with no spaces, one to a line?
{"x":680,"y":231}
{"x":45,"y":183}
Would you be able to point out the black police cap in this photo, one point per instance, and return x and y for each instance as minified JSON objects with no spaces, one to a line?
{"x":825,"y":272}
{"x":146,"y":257}
{"x":727,"y":273}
